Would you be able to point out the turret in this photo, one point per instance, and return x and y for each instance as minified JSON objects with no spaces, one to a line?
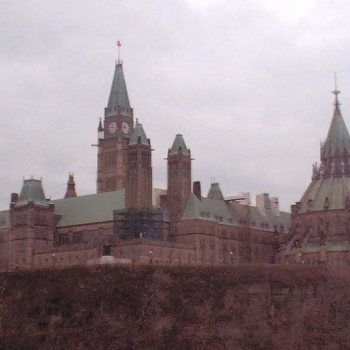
{"x":179,"y":178}
{"x":215,"y":192}
{"x":32,"y":224}
{"x":70,"y":187}
{"x":138,"y":186}
{"x":319,"y":221}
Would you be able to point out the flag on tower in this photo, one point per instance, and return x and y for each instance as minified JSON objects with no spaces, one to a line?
{"x":118,"y":43}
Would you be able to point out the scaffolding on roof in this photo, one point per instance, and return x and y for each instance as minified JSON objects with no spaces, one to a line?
{"x":134,"y":223}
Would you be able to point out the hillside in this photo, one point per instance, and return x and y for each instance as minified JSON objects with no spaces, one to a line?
{"x":149,"y":307}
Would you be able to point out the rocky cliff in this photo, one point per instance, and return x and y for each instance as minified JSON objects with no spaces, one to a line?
{"x":158,"y":307}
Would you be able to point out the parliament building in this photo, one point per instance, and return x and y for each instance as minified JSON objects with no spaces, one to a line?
{"x":129,"y":221}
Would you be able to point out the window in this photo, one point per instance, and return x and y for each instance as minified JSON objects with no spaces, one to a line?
{"x":77,"y":237}
{"x":63,"y":238}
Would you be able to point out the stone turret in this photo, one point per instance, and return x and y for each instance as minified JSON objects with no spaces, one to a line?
{"x":70,"y":187}
{"x":32,"y":224}
{"x":179,"y":178}
{"x":138,"y":188}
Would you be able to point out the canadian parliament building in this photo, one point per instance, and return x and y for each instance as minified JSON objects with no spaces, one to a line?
{"x":128,"y":221}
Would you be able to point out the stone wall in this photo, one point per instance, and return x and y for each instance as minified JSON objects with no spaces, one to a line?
{"x":168,"y":307}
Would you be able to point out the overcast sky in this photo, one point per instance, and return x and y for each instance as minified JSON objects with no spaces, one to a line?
{"x":248,"y":84}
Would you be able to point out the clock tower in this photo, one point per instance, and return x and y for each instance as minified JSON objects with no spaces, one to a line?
{"x":113,"y":134}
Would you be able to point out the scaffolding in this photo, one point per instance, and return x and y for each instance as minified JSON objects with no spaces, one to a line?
{"x":134,"y":223}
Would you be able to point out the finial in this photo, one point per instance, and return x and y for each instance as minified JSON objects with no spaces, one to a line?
{"x":119,"y":45}
{"x":336,"y":92}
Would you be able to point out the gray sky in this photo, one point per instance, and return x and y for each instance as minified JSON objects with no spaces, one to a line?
{"x":248,"y":84}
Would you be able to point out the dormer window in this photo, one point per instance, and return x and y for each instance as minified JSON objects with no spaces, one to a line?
{"x":326,"y":204}
{"x":309,"y":204}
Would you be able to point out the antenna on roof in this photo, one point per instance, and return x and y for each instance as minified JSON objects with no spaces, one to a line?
{"x":119,"y":45}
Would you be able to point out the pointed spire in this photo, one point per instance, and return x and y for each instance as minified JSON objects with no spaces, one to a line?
{"x":336,"y":92}
{"x":100,"y":133}
{"x":138,"y":135}
{"x":338,"y":138}
{"x":100,"y":128}
{"x":119,"y":44}
{"x":32,"y":191}
{"x":215,"y":191}
{"x":179,"y":145}
{"x":70,"y":187}
{"x":118,"y":102}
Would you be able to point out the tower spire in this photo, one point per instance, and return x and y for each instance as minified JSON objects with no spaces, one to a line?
{"x":336,"y":149}
{"x":336,"y":92}
{"x":118,"y":101}
{"x":119,"y":45}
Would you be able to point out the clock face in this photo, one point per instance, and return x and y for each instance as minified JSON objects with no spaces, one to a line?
{"x":112,"y":127}
{"x":125,"y":127}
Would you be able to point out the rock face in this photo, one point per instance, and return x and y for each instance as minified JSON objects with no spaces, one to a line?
{"x":123,"y":307}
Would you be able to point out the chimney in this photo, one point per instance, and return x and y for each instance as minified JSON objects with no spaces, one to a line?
{"x":275,"y":206}
{"x":197,"y":189}
{"x":263,"y":202}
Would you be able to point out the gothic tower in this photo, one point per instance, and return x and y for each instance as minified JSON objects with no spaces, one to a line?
{"x":32,"y":224}
{"x":113,"y":135}
{"x":138,"y":186}
{"x":179,"y":178}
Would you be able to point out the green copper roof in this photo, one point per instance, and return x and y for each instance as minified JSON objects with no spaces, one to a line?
{"x":330,"y":186}
{"x":233,"y":213}
{"x":338,"y":138}
{"x":215,"y":191}
{"x":89,"y":209}
{"x":179,"y":145}
{"x":138,"y":134}
{"x":118,"y":102}
{"x":335,"y":189}
{"x":192,"y":210}
{"x":32,"y":191}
